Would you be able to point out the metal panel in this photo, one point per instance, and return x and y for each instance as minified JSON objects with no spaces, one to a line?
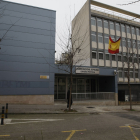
{"x":23,"y":67}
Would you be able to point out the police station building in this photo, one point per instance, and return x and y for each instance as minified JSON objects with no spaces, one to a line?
{"x":28,"y":73}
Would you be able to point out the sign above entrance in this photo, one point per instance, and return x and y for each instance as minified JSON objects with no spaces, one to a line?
{"x":87,"y":70}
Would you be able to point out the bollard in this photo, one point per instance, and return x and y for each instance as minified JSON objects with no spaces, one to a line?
{"x":2,"y":116}
{"x":6,"y":110}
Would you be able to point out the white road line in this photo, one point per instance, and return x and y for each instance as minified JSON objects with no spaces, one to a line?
{"x":9,"y":121}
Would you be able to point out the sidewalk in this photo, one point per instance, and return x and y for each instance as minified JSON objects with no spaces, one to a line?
{"x":59,"y":107}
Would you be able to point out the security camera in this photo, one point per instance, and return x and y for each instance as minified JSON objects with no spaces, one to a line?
{"x":115,"y":72}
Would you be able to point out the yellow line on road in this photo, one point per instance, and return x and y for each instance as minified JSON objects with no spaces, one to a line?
{"x":72,"y":133}
{"x":4,"y":135}
{"x":131,"y":131}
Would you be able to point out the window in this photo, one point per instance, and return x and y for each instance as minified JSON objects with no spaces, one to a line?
{"x":112,"y":37}
{"x":134,"y":43}
{"x":99,"y":21}
{"x":135,"y":59}
{"x":125,"y":74}
{"x":128,"y":29}
{"x":117,"y":26}
{"x":123,"y":42}
{"x":93,"y":21}
{"x":120,"y":74}
{"x":133,"y":30}
{"x":93,"y":36}
{"x":100,"y":37}
{"x":124,"y":59}
{"x":111,"y":25}
{"x":106,"y":38}
{"x":122,"y":28}
{"x":94,"y":55}
{"x":137,"y":31}
{"x":100,"y":55}
{"x":138,"y":44}
{"x":119,"y":58}
{"x":113,"y":58}
{"x":136,"y":75}
{"x":107,"y":56}
{"x":131,"y":74}
{"x":129,"y":42}
{"x":105,"y":24}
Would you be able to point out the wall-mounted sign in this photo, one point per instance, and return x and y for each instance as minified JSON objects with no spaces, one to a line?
{"x":87,"y":70}
{"x":44,"y":77}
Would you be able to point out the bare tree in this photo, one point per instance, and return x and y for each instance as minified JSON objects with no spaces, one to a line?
{"x":130,"y":62}
{"x":73,"y":50}
{"x":130,"y":3}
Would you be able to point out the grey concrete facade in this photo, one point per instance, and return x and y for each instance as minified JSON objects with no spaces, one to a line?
{"x":27,"y":49}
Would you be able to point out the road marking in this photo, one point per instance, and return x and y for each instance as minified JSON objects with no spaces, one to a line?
{"x":131,"y":131}
{"x":72,"y":133}
{"x":4,"y":135}
{"x":30,"y":120}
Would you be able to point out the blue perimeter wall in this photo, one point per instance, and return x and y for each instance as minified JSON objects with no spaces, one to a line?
{"x":27,"y":50}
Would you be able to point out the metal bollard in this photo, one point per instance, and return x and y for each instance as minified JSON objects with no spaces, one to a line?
{"x":6,"y":110}
{"x":2,"y":116}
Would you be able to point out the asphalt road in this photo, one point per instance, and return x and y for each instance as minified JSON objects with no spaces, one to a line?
{"x":104,"y":126}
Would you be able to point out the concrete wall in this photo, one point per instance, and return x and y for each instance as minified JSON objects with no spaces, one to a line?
{"x":81,"y":36}
{"x":26,"y":50}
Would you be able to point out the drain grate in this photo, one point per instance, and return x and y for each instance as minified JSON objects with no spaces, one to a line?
{"x":90,"y":107}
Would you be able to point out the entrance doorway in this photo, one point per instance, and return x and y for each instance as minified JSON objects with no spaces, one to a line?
{"x":121,"y":95}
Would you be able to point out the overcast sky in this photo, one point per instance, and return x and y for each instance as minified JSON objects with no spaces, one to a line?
{"x":67,"y":9}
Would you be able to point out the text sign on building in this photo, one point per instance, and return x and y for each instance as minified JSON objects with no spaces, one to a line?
{"x":87,"y":70}
{"x":44,"y":77}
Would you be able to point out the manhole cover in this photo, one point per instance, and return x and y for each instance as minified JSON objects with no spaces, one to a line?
{"x":90,"y":107}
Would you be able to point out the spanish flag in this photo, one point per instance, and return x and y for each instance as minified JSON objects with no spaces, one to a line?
{"x":114,"y":46}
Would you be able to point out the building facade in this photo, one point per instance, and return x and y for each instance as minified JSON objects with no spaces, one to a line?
{"x":27,"y":50}
{"x":100,"y":21}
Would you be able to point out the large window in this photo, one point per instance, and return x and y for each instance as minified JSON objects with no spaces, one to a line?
{"x":93,"y":36}
{"x":128,"y":29}
{"x":80,"y":85}
{"x":111,"y":25}
{"x":100,"y":37}
{"x":133,"y":30}
{"x":138,"y":31}
{"x":99,"y":21}
{"x":93,"y":21}
{"x":106,"y":38}
{"x":101,"y":55}
{"x":105,"y":24}
{"x":122,"y":28}
{"x":94,"y":55}
{"x":117,"y":26}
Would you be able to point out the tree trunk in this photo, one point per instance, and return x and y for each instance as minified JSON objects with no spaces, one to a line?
{"x":129,"y":87}
{"x":70,"y":88}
